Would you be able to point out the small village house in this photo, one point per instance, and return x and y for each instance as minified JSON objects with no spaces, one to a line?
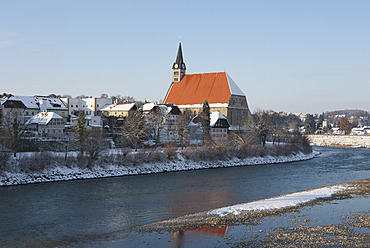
{"x":219,"y":128}
{"x":118,"y":110}
{"x":47,"y":124}
{"x":28,"y":106}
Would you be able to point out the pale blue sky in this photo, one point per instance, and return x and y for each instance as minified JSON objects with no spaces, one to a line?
{"x":297,"y":56}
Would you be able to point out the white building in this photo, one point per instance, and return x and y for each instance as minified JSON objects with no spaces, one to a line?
{"x":361,"y":130}
{"x":89,"y":106}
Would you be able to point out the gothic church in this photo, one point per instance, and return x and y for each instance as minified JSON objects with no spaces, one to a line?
{"x":190,"y":91}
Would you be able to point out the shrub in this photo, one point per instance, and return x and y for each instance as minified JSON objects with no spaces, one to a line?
{"x":4,"y":158}
{"x":37,"y":162}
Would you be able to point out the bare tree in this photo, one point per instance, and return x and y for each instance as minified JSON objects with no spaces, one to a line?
{"x":264,"y":127}
{"x":82,"y":96}
{"x":123,"y":99}
{"x":94,"y":144}
{"x":104,"y":95}
{"x":155,"y":121}
{"x":14,"y":128}
{"x":133,"y":128}
{"x":182,"y":127}
{"x":345,"y":125}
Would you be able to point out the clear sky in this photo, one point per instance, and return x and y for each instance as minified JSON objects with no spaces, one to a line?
{"x":293,"y":56}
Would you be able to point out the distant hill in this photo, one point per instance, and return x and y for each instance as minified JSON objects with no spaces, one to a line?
{"x":348,"y":112}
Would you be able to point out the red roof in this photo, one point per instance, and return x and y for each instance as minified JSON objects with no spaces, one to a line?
{"x":196,"y":88}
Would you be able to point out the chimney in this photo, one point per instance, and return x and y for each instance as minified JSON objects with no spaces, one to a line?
{"x":43,"y":105}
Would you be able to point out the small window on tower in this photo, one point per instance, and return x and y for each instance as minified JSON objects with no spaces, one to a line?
{"x":176,"y":80}
{"x":176,"y":73}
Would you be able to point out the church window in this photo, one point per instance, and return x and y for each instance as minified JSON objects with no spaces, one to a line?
{"x":176,"y":80}
{"x":176,"y":73}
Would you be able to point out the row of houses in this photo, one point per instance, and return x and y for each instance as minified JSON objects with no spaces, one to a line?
{"x":49,"y":115}
{"x":52,"y":117}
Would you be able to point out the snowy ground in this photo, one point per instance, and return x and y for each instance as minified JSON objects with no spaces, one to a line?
{"x":62,"y":173}
{"x":285,"y":201}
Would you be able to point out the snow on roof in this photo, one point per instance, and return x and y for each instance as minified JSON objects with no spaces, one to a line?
{"x":148,"y":106}
{"x":105,"y":106}
{"x":215,"y":87}
{"x":32,"y":102}
{"x":28,"y":101}
{"x":215,"y":116}
{"x":211,"y":105}
{"x":289,"y":200}
{"x":3,"y":100}
{"x":235,"y":90}
{"x":119,"y":107}
{"x":43,"y":118}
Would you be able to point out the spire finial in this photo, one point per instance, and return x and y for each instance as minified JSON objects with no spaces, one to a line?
{"x":180,"y":39}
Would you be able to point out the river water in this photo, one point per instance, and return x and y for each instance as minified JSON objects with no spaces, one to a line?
{"x":81,"y":211}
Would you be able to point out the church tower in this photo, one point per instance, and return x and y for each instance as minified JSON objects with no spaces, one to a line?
{"x":178,"y":68}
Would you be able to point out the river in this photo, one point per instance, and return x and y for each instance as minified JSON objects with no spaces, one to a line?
{"x":62,"y":213}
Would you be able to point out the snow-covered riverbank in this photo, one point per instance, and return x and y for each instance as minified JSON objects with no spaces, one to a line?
{"x":340,"y":140}
{"x":62,"y":173}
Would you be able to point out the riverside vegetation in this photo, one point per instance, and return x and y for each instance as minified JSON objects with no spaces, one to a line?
{"x":95,"y":153}
{"x":89,"y":149}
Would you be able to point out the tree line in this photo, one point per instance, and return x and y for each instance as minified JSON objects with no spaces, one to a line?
{"x":260,"y":128}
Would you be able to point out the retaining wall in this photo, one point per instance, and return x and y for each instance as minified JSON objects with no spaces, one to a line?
{"x":340,"y":140}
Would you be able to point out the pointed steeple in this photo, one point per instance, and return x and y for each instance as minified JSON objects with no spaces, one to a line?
{"x":179,"y":63}
{"x":178,"y":68}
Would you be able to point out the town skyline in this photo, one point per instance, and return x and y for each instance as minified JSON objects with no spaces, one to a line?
{"x":291,"y":57}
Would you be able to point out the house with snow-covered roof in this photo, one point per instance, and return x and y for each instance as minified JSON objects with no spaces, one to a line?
{"x":162,"y":120}
{"x":28,"y":106}
{"x":190,"y":91}
{"x":118,"y":110}
{"x":46,"y":124}
{"x":218,"y":124}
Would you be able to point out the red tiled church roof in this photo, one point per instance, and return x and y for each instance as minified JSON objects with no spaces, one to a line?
{"x":214,"y":87}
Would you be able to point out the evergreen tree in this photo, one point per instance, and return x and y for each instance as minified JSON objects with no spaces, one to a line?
{"x":81,"y":132}
{"x":310,"y":124}
{"x":206,"y":118}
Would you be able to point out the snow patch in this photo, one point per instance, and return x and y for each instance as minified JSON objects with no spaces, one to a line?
{"x":279,"y":202}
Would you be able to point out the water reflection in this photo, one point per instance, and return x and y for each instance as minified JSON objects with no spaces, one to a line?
{"x":198,"y":193}
{"x":179,"y":238}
